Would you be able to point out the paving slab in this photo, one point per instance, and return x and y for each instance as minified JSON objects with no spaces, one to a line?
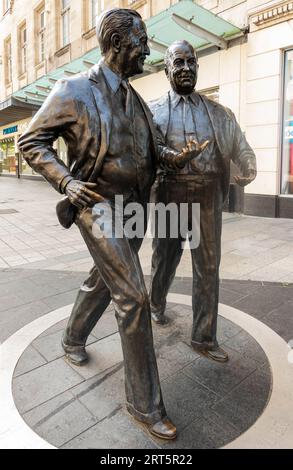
{"x":42,"y":384}
{"x":221,"y":377}
{"x":186,"y":400}
{"x":239,"y":407}
{"x":83,"y":407}
{"x":61,"y":419}
{"x":116,"y":431}
{"x":103,"y":393}
{"x":50,"y":345}
{"x":103,"y":355}
{"x":30,"y":359}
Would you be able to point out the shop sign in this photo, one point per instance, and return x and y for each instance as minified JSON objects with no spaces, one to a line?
{"x":10,"y":130}
{"x":289,"y":132}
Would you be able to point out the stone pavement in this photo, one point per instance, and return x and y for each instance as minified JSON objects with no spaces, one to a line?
{"x":82,"y":407}
{"x":253,"y":248}
{"x":41,"y":267}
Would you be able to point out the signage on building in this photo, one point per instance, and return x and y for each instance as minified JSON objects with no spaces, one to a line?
{"x":288,"y":130}
{"x":10,"y":130}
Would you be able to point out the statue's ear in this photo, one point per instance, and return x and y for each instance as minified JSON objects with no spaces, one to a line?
{"x":116,"y":42}
{"x":166,"y":72}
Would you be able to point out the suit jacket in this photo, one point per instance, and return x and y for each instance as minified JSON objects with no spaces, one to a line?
{"x":229,"y":137}
{"x":78,"y":109}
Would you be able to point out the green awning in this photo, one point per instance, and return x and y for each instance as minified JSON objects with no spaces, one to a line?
{"x":184,"y":20}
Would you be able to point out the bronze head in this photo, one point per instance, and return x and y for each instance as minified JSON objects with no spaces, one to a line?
{"x":123,"y":40}
{"x":181,"y":67}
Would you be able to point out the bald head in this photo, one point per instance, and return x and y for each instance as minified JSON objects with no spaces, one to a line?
{"x":175,"y":46}
{"x":181,"y":67}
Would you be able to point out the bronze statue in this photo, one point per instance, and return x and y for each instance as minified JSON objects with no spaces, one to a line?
{"x":112,"y":150}
{"x":108,"y":153}
{"x":183,"y":114}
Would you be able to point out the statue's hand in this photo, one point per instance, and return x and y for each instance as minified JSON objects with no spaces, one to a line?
{"x":192,"y":150}
{"x":81,"y":195}
{"x":246,"y":179}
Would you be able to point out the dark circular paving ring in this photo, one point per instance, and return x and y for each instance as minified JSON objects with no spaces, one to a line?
{"x":211,"y":404}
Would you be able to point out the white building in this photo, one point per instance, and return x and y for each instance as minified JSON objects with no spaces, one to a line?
{"x":246,"y":63}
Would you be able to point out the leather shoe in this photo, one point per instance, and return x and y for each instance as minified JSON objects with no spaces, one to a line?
{"x":75,"y":354}
{"x":218,"y":354}
{"x":159,"y":319}
{"x":164,"y":429}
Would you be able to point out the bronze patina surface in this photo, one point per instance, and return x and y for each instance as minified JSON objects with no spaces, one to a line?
{"x":183,"y":115}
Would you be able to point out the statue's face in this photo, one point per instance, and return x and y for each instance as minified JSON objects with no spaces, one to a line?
{"x":182,"y":69}
{"x":135,"y":49}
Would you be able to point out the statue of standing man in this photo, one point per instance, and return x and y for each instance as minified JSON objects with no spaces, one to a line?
{"x":183,"y":115}
{"x":109,"y":153}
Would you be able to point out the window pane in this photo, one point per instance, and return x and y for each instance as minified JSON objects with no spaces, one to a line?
{"x":8,"y":61}
{"x":65,"y":28}
{"x":42,"y":19}
{"x":65,"y":3}
{"x":93,"y":12}
{"x":41,"y":47}
{"x":287,"y":150}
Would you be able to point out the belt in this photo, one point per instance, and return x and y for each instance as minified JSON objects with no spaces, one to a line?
{"x":188,"y":178}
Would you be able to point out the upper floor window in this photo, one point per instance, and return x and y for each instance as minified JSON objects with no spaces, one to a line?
{"x":65,"y":22}
{"x":93,"y":12}
{"x":6,"y":6}
{"x":92,"y":9}
{"x":40,"y":33}
{"x":8,"y":61}
{"x":22,"y":48}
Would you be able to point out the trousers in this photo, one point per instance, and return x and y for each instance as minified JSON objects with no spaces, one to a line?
{"x":167,"y":252}
{"x":117,"y":276}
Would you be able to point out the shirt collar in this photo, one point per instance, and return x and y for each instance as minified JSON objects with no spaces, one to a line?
{"x":175,"y":98}
{"x":113,"y":80}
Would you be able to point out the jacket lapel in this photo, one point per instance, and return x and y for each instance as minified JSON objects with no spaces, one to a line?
{"x":149,"y":118}
{"x":161,"y":111}
{"x":215,"y":118}
{"x":104,"y":107}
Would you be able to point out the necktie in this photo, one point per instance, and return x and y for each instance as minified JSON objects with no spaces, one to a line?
{"x":188,"y":122}
{"x":128,"y":98}
{"x":189,"y":130}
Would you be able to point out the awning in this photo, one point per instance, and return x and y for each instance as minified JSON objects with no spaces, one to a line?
{"x":187,"y":20}
{"x":184,"y":20}
{"x":13,"y":109}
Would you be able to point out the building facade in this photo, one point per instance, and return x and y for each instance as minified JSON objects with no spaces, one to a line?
{"x":247,"y":66}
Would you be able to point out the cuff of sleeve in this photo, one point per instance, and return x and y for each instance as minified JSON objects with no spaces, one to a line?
{"x":64,"y":183}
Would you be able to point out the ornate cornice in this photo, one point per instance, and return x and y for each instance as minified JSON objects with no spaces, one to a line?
{"x":273,"y":14}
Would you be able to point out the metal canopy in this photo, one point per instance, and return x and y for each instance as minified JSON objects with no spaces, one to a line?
{"x":14,"y":110}
{"x":199,"y":31}
{"x":184,"y":20}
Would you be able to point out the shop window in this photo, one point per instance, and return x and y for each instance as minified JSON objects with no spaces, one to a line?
{"x":8,"y":163}
{"x":22,"y":35}
{"x":287,"y":147}
{"x":65,"y":22}
{"x":61,"y":148}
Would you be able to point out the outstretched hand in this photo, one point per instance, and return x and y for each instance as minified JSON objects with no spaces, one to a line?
{"x":192,"y":150}
{"x":246,"y":179}
{"x":81,"y":195}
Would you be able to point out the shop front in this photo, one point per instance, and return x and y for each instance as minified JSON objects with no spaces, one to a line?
{"x":11,"y":161}
{"x":287,"y":143}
